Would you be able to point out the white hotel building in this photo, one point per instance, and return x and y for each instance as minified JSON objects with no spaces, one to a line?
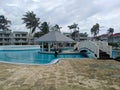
{"x":14,"y":38}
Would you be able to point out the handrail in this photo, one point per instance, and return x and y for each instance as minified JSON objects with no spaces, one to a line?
{"x":76,"y":45}
{"x":95,"y":46}
{"x":90,"y":45}
{"x":105,"y":47}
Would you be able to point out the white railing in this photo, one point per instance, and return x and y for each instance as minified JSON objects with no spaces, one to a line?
{"x":104,"y":47}
{"x":76,"y":45}
{"x":90,"y":45}
{"x":101,"y":43}
{"x":95,"y":46}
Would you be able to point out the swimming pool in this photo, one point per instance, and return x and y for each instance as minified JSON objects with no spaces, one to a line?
{"x":31,"y":56}
{"x":114,"y":53}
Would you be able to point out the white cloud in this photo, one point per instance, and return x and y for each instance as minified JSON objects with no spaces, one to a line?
{"x":65,"y":12}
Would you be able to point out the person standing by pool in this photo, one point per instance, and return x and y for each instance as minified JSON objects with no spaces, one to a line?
{"x":56,"y":53}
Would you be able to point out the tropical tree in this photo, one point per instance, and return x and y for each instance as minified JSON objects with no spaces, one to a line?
{"x":73,"y":27}
{"x":84,"y":34}
{"x":75,"y":30}
{"x":95,"y":30}
{"x":75,"y":34}
{"x":38,"y":34}
{"x":31,"y":21}
{"x":56,"y":27}
{"x":4,"y":23}
{"x":44,"y":28}
{"x":110,"y":33}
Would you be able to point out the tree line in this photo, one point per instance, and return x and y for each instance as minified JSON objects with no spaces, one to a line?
{"x":96,"y":28}
{"x":32,"y":22}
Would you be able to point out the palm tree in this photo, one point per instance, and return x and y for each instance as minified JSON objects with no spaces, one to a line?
{"x":84,"y":34}
{"x":44,"y":28}
{"x":56,"y":28}
{"x":95,"y":30}
{"x":73,"y":27}
{"x":75,"y":32}
{"x":4,"y":23}
{"x":38,"y":34}
{"x":31,"y":21}
{"x":110,"y":33}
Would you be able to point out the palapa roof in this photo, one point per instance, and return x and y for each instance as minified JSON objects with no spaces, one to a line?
{"x":54,"y":36}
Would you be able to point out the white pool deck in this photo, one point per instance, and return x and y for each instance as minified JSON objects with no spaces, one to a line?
{"x":19,"y":47}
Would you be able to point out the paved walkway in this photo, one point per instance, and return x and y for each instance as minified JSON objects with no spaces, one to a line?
{"x":65,"y":75}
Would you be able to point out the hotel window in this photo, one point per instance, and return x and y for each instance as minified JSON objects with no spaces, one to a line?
{"x":24,"y":35}
{"x":24,"y":39}
{"x":17,"y":35}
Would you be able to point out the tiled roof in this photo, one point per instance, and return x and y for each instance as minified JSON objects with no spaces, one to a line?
{"x":103,"y":35}
{"x":116,"y":34}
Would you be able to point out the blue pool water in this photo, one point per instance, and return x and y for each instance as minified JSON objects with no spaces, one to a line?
{"x":114,"y":53}
{"x":31,"y":56}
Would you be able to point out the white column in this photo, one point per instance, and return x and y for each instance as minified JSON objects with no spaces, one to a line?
{"x":63,"y":44}
{"x":69,"y":44}
{"x":42,"y":47}
{"x":48,"y":47}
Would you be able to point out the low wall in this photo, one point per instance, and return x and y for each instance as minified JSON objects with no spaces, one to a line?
{"x":19,"y":47}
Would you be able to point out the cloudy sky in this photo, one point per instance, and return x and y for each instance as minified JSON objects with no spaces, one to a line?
{"x":86,"y":13}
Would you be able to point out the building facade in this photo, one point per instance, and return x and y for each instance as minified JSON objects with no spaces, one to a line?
{"x":115,"y":38}
{"x":78,"y":37}
{"x":14,"y":38}
{"x":5,"y":37}
{"x":20,"y":38}
{"x":103,"y":37}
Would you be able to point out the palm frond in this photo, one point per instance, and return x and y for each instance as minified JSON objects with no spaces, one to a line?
{"x":31,"y":21}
